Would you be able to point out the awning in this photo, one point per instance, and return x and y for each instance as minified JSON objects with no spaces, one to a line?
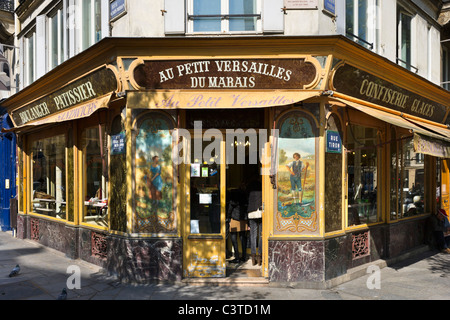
{"x":433,"y":147}
{"x":214,"y":99}
{"x":78,"y":112}
{"x":422,"y":129}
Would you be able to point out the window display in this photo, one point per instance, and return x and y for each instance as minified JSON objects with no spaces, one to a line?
{"x":363,"y":175}
{"x":49,"y":176}
{"x":95,"y":188}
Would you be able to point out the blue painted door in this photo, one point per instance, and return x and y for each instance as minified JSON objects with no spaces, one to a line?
{"x":7,"y":176}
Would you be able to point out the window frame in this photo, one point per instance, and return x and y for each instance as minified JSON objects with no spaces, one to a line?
{"x":31,"y":138}
{"x":400,"y":59}
{"x":225,"y":25}
{"x":30,"y":62}
{"x":83,"y":173}
{"x":364,"y":122}
{"x":86,"y":42}
{"x":400,"y":139}
{"x":57,"y":13}
{"x":372,"y":22}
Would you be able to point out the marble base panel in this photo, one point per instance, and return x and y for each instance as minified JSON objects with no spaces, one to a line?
{"x":141,"y":260}
{"x":144,"y":260}
{"x":296,"y":261}
{"x":318,"y":261}
{"x":132,"y":260}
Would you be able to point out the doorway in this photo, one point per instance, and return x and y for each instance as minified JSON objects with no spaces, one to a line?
{"x":217,"y":171}
{"x":241,"y":179}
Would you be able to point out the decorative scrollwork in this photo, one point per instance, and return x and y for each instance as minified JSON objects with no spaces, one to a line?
{"x":34,"y":229}
{"x":360,"y":245}
{"x":98,"y":245}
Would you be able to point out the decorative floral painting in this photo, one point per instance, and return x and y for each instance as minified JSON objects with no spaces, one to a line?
{"x":155,"y":191}
{"x":296,"y":183}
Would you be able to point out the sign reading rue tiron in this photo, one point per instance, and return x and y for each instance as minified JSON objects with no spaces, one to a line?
{"x":225,"y":74}
{"x":365,"y":86}
{"x":87,"y":88}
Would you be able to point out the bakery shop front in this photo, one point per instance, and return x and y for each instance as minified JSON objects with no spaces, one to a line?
{"x":136,"y":164}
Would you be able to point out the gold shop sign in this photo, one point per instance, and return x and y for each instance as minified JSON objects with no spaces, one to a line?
{"x":365,"y":86}
{"x":225,"y":74}
{"x":88,"y":88}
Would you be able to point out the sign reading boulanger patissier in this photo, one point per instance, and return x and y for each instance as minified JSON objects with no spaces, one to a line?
{"x":81,"y":91}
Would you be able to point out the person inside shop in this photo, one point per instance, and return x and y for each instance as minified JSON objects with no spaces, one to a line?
{"x":255,"y":220}
{"x":237,"y":215}
{"x":441,"y":229}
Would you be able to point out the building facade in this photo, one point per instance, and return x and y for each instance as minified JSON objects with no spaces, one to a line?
{"x":7,"y":140}
{"x":135,"y":127}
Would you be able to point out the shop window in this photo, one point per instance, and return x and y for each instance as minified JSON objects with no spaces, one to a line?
{"x":409,"y":175}
{"x":224,"y":16}
{"x":333,"y":175}
{"x":363,"y":162}
{"x":155,"y":193}
{"x":95,"y":188}
{"x":296,"y":174}
{"x":49,"y":176}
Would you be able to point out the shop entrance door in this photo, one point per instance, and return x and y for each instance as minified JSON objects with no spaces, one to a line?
{"x":212,"y":248}
{"x":204,"y":250}
{"x":208,"y":181}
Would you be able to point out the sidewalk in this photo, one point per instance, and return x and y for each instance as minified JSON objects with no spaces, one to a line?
{"x":44,"y":274}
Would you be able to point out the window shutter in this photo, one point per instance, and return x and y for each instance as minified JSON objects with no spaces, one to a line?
{"x":174,"y":16}
{"x":272,"y":16}
{"x":41,"y":63}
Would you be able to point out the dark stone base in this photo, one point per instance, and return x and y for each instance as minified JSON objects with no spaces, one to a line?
{"x":306,"y":262}
{"x":131,"y":260}
{"x":311,"y":263}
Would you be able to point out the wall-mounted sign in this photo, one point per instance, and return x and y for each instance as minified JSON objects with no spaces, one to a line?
{"x":334,"y":143}
{"x":365,"y":86}
{"x":118,"y":143}
{"x":330,"y":6}
{"x":81,"y":91}
{"x":225,"y":74}
{"x":300,"y":4}
{"x":116,"y":8}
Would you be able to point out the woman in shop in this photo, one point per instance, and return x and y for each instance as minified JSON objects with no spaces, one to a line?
{"x":255,"y":220}
{"x":237,"y":214}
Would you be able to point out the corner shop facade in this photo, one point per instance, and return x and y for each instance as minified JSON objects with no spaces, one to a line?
{"x":372,"y":137}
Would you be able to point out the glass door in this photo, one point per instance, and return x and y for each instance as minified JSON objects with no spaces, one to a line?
{"x":205,"y":210}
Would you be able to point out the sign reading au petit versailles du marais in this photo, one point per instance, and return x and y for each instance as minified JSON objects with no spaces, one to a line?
{"x":365,"y":86}
{"x":225,"y":74}
{"x":92,"y":86}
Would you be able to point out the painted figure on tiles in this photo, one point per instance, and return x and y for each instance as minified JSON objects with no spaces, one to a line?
{"x":295,"y":169}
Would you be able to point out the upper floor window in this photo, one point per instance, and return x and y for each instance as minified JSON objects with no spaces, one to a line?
{"x":445,"y":68}
{"x":30,"y":57}
{"x":55,"y":38}
{"x":224,"y":16}
{"x":360,"y":20}
{"x":404,"y":39}
{"x":91,"y":22}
